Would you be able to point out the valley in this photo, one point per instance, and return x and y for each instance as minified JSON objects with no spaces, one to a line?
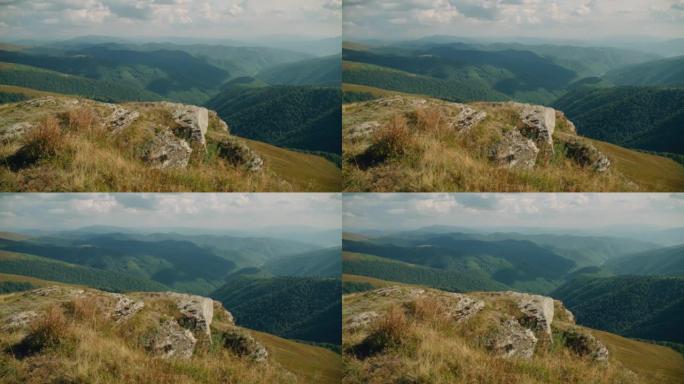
{"x":290,"y":315}
{"x":623,"y":97}
{"x":286,"y":101}
{"x":625,"y":291}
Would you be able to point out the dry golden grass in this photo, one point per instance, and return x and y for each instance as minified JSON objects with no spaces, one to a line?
{"x":431,"y":348}
{"x":70,"y":151}
{"x":431,"y":156}
{"x":75,"y":342}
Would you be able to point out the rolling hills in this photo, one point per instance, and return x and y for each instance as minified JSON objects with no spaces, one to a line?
{"x":661,"y":261}
{"x":664,"y":72}
{"x":317,"y":71}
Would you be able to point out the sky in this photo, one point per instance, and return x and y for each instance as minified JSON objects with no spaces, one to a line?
{"x":388,"y":212}
{"x":216,"y":19}
{"x":232,"y":211}
{"x":549,"y":19}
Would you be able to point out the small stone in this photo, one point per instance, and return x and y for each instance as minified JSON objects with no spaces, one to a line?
{"x":125,"y":308}
{"x":15,"y":131}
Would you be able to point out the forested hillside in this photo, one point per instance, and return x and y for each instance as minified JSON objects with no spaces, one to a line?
{"x":639,"y":117}
{"x":664,"y":72}
{"x":317,"y":71}
{"x":661,"y":261}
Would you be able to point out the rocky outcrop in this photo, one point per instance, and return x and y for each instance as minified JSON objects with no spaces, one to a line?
{"x":463,"y":307}
{"x":468,"y":117}
{"x":19,"y":320}
{"x":362,"y":130}
{"x":537,"y":312}
{"x":191,"y":121}
{"x":361,"y":320}
{"x":538,"y":124}
{"x":223,"y":127}
{"x":166,"y":151}
{"x":242,"y":344}
{"x":585,"y":154}
{"x":512,"y":340}
{"x":223,"y":314}
{"x":514,"y":151}
{"x":584,"y":344}
{"x":15,"y":131}
{"x":120,"y":119}
{"x":125,"y":308}
{"x":172,"y":340}
{"x":239,"y":154}
{"x":197,"y":313}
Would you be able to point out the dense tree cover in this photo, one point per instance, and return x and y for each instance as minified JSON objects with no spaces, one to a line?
{"x":178,"y":264}
{"x":302,"y":117}
{"x":661,"y":261}
{"x":459,"y":73}
{"x":15,"y":286}
{"x":640,"y":117}
{"x":292,"y":307}
{"x":452,"y":90}
{"x":11,"y":97}
{"x":353,"y":97}
{"x":448,"y":280}
{"x":163,"y":72}
{"x":514,"y":263}
{"x":319,"y":263}
{"x":74,"y":274}
{"x":317,"y":71}
{"x":648,"y":307}
{"x":665,"y":72}
{"x":73,"y":85}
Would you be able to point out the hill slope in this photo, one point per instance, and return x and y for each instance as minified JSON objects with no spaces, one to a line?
{"x":318,"y":71}
{"x":666,"y":72}
{"x":408,"y":143}
{"x":648,"y":307}
{"x":302,"y":117}
{"x":151,"y":341}
{"x":68,"y":144}
{"x":662,"y":261}
{"x":292,"y":307}
{"x":318,"y":263}
{"x":636,"y":117}
{"x":393,"y":333}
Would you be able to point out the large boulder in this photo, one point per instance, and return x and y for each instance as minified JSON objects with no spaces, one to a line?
{"x":240,"y":155}
{"x":512,"y":340}
{"x":468,"y":117}
{"x":166,"y":150}
{"x":586,"y":155}
{"x":463,"y":307}
{"x":197,"y":313}
{"x":538,"y":124}
{"x":192,"y":122}
{"x":172,"y":340}
{"x":125,"y":307}
{"x":514,"y":151}
{"x":537,"y":312}
{"x":585,"y":344}
{"x":120,"y":119}
{"x":243,"y":344}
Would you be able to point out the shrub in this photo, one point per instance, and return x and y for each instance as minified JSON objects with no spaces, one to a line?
{"x":387,"y":332}
{"x":392,"y":141}
{"x":42,"y":142}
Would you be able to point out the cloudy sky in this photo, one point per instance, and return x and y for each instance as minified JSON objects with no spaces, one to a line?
{"x":224,"y":19}
{"x":550,"y":210}
{"x":560,"y":19}
{"x":202,"y":210}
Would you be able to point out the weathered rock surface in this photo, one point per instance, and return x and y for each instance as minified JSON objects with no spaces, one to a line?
{"x":15,"y":131}
{"x":239,"y":154}
{"x":512,"y":340}
{"x":222,"y":124}
{"x":538,"y":124}
{"x":364,"y":129}
{"x":244,"y":345}
{"x":55,"y":290}
{"x":165,"y":150}
{"x":514,"y":151}
{"x":125,"y":307}
{"x":361,"y":320}
{"x":19,"y":320}
{"x":172,"y":340}
{"x":537,"y":312}
{"x":197,"y":312}
{"x":464,"y":307}
{"x":120,"y":119}
{"x":585,"y":344}
{"x":586,"y":155}
{"x":192,"y":122}
{"x":222,"y":313}
{"x":468,"y":117}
